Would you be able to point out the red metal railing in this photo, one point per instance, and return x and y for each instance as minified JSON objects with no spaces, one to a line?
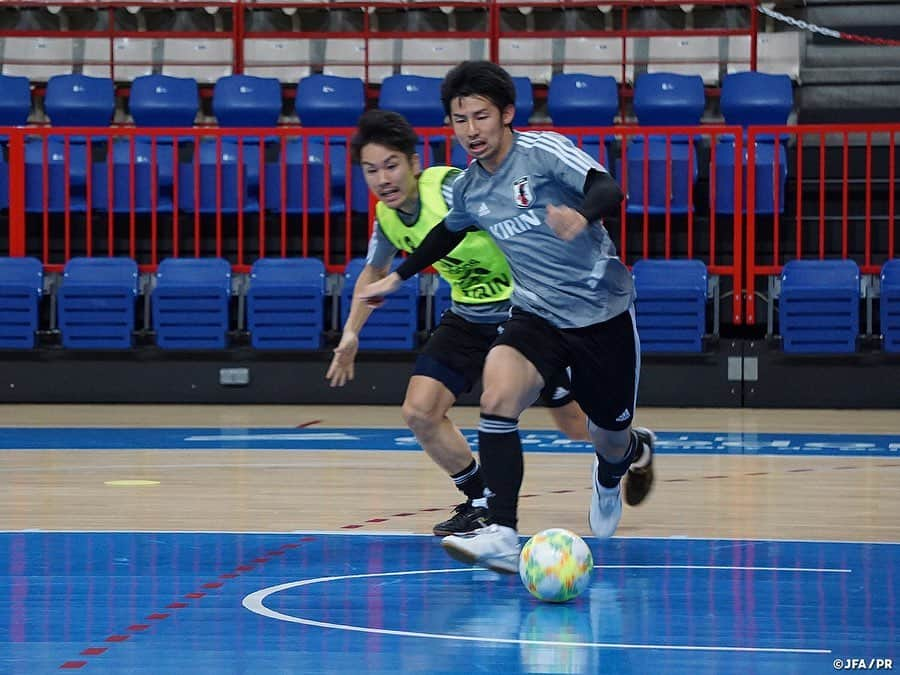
{"x":827,"y":164}
{"x":243,"y":204}
{"x":839,"y":199}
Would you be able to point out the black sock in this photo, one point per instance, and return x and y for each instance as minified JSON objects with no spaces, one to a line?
{"x":470,"y":481}
{"x":610,"y":473}
{"x":500,"y":451}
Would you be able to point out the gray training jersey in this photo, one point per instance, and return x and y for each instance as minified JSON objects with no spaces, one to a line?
{"x":381,"y":252}
{"x":569,"y":283}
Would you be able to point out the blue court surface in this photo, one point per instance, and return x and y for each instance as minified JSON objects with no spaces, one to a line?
{"x":309,"y":603}
{"x":319,"y":602}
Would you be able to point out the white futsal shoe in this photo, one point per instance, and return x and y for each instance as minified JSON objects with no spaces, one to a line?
{"x":606,"y":508}
{"x":495,"y":547}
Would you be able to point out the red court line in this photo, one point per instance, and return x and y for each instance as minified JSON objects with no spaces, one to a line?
{"x":138,"y":628}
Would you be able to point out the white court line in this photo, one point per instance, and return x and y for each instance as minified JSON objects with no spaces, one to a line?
{"x":720,"y":567}
{"x":254,"y":602}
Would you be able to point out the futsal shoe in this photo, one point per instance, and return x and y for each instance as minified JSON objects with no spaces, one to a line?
{"x":495,"y":547}
{"x":606,"y":508}
{"x":639,"y":479}
{"x":465,"y":518}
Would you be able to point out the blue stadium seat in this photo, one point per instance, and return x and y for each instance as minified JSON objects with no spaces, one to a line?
{"x":890,"y":305}
{"x":286,"y":303}
{"x":96,"y":303}
{"x":750,"y":98}
{"x":155,"y":101}
{"x":524,"y":101}
{"x":671,"y":304}
{"x":394,"y":324}
{"x":21,"y":286}
{"x":442,"y":299}
{"x":238,"y":101}
{"x":418,"y":99}
{"x":330,"y":101}
{"x":71,"y":100}
{"x":575,"y":100}
{"x":15,"y":104}
{"x":190,"y":303}
{"x":323,"y":101}
{"x":664,"y":99}
{"x":818,"y":309}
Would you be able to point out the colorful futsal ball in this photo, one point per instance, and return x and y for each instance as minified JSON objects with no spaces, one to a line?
{"x":555,"y":565}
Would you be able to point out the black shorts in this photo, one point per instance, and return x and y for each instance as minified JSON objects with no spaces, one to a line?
{"x":604,"y":359}
{"x":455,"y":352}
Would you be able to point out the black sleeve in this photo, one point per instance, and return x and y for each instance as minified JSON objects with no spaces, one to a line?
{"x":439,"y":242}
{"x":602,"y":196}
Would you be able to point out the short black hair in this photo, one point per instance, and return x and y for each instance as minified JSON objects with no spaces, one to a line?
{"x":386,"y":128}
{"x":478,"y":78}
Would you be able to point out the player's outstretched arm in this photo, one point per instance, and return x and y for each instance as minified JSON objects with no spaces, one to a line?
{"x":341,"y":369}
{"x":439,"y":242}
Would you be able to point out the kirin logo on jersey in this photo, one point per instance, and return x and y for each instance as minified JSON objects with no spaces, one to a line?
{"x":522,"y":192}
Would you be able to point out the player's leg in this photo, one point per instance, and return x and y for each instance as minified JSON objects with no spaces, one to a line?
{"x":610,"y":353}
{"x":571,"y":420}
{"x":449,"y":365}
{"x":425,"y":409}
{"x":566,"y":413}
{"x":512,"y":381}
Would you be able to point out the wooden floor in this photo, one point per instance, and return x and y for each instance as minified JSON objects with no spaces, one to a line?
{"x":728,"y":496}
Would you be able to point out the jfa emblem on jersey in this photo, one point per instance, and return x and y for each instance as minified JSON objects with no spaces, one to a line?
{"x":522,"y":192}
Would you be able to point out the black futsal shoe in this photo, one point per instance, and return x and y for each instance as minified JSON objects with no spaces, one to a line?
{"x":465,"y":518}
{"x":639,"y":478}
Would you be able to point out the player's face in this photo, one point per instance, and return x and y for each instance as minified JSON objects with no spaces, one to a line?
{"x":482,"y":129}
{"x":391,"y":175}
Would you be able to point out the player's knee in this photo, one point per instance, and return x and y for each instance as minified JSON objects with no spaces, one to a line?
{"x":494,"y":401}
{"x":421,"y":419}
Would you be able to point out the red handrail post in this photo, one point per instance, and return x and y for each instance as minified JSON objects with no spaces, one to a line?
{"x":17,"y":193}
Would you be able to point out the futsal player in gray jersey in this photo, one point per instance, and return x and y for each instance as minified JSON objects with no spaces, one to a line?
{"x":542,"y":200}
{"x":410,"y":203}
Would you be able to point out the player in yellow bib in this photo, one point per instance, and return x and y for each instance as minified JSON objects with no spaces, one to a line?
{"x":410,"y":203}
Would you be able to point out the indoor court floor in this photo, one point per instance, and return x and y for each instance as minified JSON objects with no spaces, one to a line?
{"x":289,"y":539}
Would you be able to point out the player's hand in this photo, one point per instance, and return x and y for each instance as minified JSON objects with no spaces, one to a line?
{"x":373,"y":294}
{"x":565,"y":222}
{"x":341,"y":369}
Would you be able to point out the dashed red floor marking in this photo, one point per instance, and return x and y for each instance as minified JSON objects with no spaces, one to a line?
{"x":138,"y":628}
